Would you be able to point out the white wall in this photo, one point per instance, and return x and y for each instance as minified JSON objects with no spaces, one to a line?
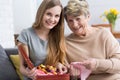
{"x":24,"y":14}
{"x":6,"y":23}
{"x":97,"y":7}
{"x":24,"y":20}
{"x":16,"y":15}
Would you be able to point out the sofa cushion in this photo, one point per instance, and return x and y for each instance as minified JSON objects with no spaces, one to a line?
{"x":16,"y":61}
{"x":7,"y":71}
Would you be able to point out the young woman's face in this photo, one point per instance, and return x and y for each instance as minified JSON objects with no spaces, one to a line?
{"x":77,"y":24}
{"x":51,"y":17}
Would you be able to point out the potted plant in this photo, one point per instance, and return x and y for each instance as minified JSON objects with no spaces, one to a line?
{"x":111,"y":15}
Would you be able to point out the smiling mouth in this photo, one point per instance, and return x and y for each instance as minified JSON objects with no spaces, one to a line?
{"x":76,"y":29}
{"x":50,"y":23}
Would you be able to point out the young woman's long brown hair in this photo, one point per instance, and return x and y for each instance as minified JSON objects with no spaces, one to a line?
{"x":56,"y":44}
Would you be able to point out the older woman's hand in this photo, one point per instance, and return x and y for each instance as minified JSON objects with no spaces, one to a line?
{"x":77,"y":70}
{"x":74,"y":71}
{"x":90,"y":63}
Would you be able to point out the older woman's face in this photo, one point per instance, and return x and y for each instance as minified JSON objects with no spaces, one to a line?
{"x":78,"y":24}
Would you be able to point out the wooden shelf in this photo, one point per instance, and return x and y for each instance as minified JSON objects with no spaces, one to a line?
{"x":15,"y":38}
{"x":116,"y":34}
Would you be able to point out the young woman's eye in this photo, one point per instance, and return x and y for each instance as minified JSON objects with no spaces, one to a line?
{"x":49,"y":14}
{"x":57,"y":16}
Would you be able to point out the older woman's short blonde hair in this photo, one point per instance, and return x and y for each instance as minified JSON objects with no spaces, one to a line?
{"x":76,"y":8}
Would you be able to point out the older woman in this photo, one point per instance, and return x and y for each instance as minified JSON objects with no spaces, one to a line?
{"x":94,"y":48}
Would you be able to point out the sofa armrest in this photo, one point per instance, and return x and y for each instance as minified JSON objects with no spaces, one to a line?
{"x":10,"y":51}
{"x":7,"y":70}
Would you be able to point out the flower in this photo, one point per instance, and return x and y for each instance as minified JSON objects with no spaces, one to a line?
{"x":111,"y":16}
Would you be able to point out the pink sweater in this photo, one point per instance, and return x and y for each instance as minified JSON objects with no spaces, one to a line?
{"x":100,"y":45}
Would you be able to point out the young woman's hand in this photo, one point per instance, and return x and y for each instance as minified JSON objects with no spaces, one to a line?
{"x":62,"y":68}
{"x":31,"y":73}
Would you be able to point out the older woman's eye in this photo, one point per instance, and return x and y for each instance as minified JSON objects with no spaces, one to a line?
{"x":78,"y":19}
{"x":70,"y":20}
{"x":81,"y":0}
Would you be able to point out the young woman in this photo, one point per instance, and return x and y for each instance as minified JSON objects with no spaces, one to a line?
{"x":44,"y":41}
